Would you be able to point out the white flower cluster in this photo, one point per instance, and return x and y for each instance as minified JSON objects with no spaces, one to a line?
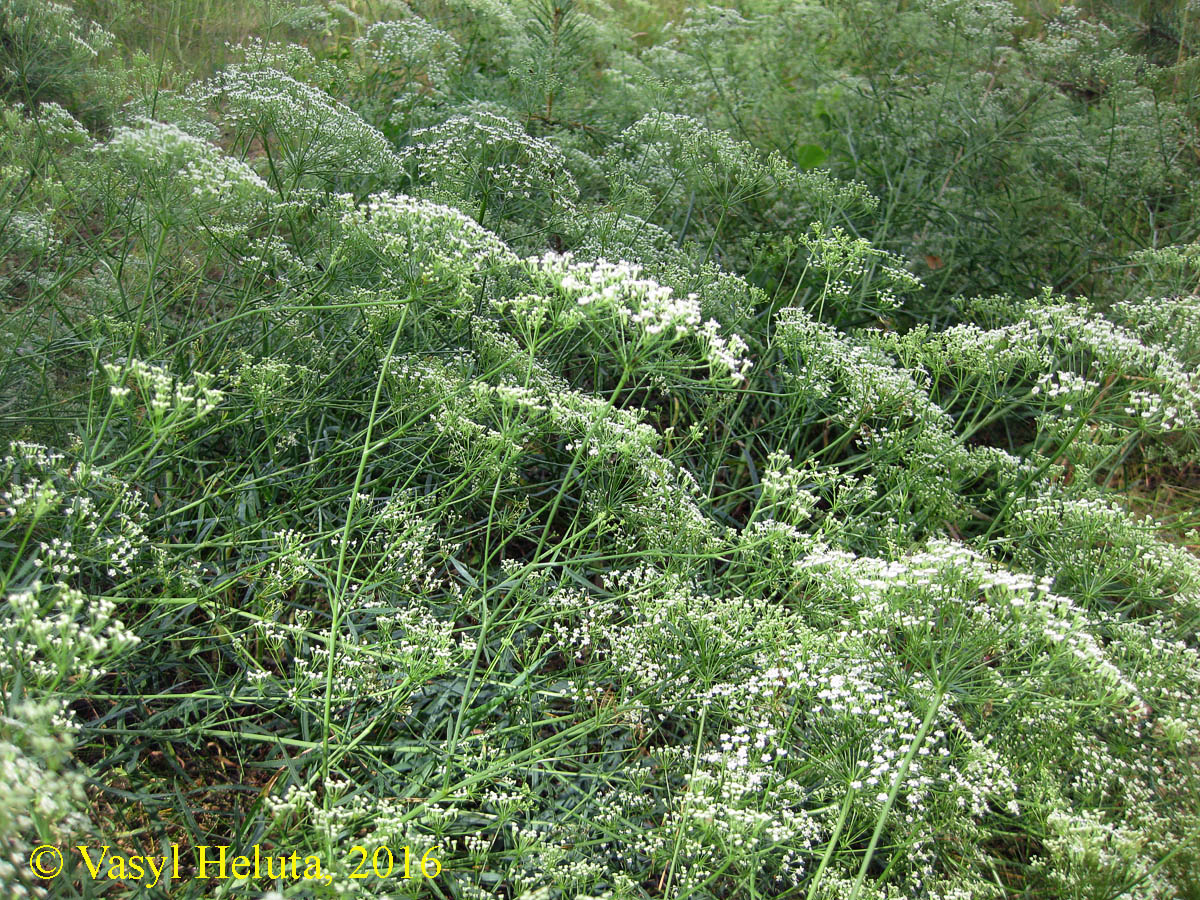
{"x":863,"y":382}
{"x":29,"y":233}
{"x":857,"y":275}
{"x":1106,"y":556}
{"x":402,"y":547}
{"x":100,"y":520}
{"x":670,"y":155}
{"x":114,"y":535}
{"x":888,"y":410}
{"x":362,"y":672}
{"x":1174,"y":321}
{"x":294,"y":60}
{"x":422,"y":642}
{"x":49,"y":123}
{"x":1067,"y":386}
{"x":409,"y":58}
{"x":169,"y":402}
{"x":56,"y":632}
{"x":738,"y":800}
{"x":1081,"y":847}
{"x":483,"y":161}
{"x":618,"y":288}
{"x":1120,"y":354}
{"x":600,"y":290}
{"x":1082,"y":361}
{"x":621,"y":235}
{"x":312,"y":135}
{"x":58,"y":556}
{"x":488,"y":430}
{"x":1150,"y":407}
{"x":271,"y":383}
{"x":419,"y":245}
{"x":399,"y":43}
{"x":652,"y":626}
{"x":40,"y":790}
{"x":356,"y":817}
{"x":666,"y":517}
{"x":290,"y":563}
{"x":56,"y":25}
{"x":176,"y":169}
{"x":785,"y":490}
{"x":1015,"y":643}
{"x":29,"y":497}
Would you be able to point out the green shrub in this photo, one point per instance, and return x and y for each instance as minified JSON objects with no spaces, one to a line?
{"x":696,"y":463}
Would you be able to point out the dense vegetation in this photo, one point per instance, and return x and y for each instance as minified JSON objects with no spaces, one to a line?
{"x":616,"y":450}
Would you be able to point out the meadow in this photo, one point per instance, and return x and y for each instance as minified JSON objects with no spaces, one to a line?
{"x":541,"y":449}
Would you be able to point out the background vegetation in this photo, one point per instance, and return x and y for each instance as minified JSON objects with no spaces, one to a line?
{"x":621,"y":450}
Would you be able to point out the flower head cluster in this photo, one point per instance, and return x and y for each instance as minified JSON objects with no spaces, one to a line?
{"x":167,"y":400}
{"x":57,"y":28}
{"x":1130,"y":377}
{"x":56,"y":632}
{"x":49,"y":126}
{"x":858,"y":277}
{"x":666,"y":157}
{"x":40,"y":788}
{"x":622,"y":235}
{"x":419,"y":245}
{"x":294,"y":60}
{"x":88,"y":523}
{"x":408,"y":59}
{"x":600,"y":290}
{"x":291,"y":558}
{"x":480,"y":160}
{"x":314,"y":137}
{"x":177,"y":170}
{"x":29,"y":233}
{"x":1105,"y":556}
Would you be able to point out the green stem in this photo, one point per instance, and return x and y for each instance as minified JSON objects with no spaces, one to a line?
{"x":340,"y":577}
{"x":913,"y":747}
{"x":833,"y":839}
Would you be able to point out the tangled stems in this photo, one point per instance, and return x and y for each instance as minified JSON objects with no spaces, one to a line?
{"x":604,"y":504}
{"x":341,"y":577}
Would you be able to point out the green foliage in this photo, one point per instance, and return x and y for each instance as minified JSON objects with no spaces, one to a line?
{"x":48,"y":54}
{"x":1008,"y":158}
{"x":698,"y":462}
